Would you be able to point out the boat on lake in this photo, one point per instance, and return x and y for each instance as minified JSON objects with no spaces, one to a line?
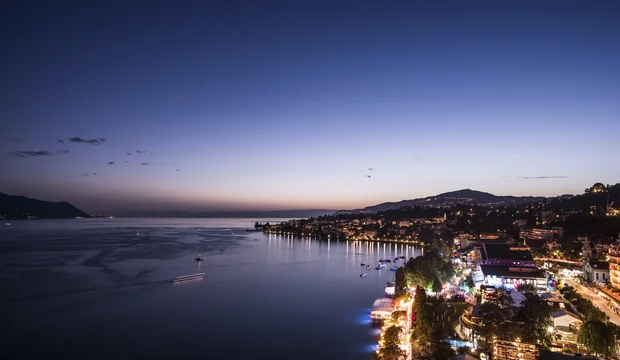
{"x":390,"y":289}
{"x":363,"y":275}
{"x":186,"y":278}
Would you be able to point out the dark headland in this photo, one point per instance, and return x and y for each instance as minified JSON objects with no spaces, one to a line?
{"x":21,"y":207}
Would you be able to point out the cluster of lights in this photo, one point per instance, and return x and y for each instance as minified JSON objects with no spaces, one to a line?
{"x":404,"y":336}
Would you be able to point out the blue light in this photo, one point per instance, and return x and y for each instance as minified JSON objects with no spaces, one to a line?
{"x":372,"y":348}
{"x":375,"y":331}
{"x":363,"y":317}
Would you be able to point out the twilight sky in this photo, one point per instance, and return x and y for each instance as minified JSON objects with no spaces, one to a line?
{"x":280,"y":105}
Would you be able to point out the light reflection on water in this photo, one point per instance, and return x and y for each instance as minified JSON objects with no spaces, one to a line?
{"x":76,"y":285}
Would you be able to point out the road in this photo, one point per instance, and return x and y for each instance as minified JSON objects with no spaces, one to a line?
{"x":597,"y":300}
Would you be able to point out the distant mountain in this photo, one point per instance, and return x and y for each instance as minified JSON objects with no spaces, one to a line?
{"x":465,"y":196}
{"x":236,"y":214}
{"x":21,"y":207}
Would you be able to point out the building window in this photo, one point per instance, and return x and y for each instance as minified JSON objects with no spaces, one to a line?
{"x":596,"y":276}
{"x":603,"y":276}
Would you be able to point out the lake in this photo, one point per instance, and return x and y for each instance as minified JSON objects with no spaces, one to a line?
{"x":102,"y":288}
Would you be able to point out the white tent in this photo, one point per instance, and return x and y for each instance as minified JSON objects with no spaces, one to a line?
{"x":381,"y":309}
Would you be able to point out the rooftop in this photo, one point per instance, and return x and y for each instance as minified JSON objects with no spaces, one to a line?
{"x":502,"y":251}
{"x":602,"y":265}
{"x":384,"y":304}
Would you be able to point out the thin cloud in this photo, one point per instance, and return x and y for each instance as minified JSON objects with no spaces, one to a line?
{"x":31,"y":153}
{"x":151,"y":154}
{"x":15,"y":139}
{"x":128,"y":153}
{"x":145,"y":163}
{"x":541,"y":177}
{"x":111,"y":163}
{"x":138,"y":151}
{"x":126,"y":161}
{"x":86,"y":141}
{"x":85,"y":174}
{"x":61,"y":141}
{"x":63,"y":151}
{"x":94,"y":173}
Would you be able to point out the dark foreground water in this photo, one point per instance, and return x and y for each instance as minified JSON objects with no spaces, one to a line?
{"x":103,"y":289}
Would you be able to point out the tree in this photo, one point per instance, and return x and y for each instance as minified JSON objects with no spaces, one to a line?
{"x":256,"y":225}
{"x":536,"y":317}
{"x":399,"y":315}
{"x":401,"y":282}
{"x":494,"y":312}
{"x":527,"y":288}
{"x":391,"y":344}
{"x":437,"y":285}
{"x":392,"y":335}
{"x":597,"y":338}
{"x":421,"y":336}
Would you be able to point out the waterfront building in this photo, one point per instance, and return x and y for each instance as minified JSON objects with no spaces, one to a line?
{"x":510,"y":277}
{"x":381,"y":309}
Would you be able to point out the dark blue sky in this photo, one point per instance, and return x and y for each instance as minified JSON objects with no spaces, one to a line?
{"x":287,"y":104}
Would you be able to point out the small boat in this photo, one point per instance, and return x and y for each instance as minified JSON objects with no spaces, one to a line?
{"x":378,"y":267}
{"x":363,"y":275}
{"x":394,"y":268}
{"x":381,"y":266}
{"x":402,"y":257}
{"x":7,"y":224}
{"x":363,"y":264}
{"x":395,"y":259}
{"x":199,"y":258}
{"x":185,"y":278}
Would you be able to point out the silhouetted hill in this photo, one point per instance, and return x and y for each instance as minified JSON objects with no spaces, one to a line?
{"x":21,"y":207}
{"x":465,"y":196}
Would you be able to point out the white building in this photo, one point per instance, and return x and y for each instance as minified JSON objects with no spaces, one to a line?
{"x":597,"y":271}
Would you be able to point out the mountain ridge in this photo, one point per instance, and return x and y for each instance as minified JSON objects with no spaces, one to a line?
{"x":21,"y":207}
{"x":463,"y":196}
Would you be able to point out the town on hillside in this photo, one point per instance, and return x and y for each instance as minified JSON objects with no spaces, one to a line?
{"x":538,"y":280}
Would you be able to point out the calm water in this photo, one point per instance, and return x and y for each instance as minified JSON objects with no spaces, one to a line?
{"x":103,"y":288}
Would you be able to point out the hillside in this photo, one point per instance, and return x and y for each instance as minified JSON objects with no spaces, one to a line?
{"x":21,"y":207}
{"x":465,"y":196}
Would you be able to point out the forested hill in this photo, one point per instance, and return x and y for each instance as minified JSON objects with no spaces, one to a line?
{"x":21,"y":207}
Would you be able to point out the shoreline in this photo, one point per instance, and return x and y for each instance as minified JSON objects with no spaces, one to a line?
{"x":405,"y":242}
